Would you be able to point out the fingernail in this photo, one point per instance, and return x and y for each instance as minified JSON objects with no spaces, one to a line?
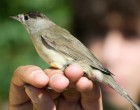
{"x":57,"y":77}
{"x":39,"y":76}
{"x":58,"y":82}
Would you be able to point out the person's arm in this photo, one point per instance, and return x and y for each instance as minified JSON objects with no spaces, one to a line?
{"x":32,"y":88}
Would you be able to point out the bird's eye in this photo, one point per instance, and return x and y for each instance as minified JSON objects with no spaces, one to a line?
{"x":26,"y":17}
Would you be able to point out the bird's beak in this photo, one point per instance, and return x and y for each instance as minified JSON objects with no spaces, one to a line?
{"x":15,"y":17}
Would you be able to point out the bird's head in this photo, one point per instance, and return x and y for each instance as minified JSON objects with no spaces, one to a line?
{"x":33,"y":22}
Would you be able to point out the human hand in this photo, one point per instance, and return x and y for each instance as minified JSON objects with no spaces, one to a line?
{"x":30,"y":90}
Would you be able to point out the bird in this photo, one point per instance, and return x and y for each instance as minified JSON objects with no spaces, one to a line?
{"x":59,"y":48}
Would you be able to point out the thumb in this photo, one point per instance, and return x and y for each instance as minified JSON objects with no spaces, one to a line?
{"x":40,"y":98}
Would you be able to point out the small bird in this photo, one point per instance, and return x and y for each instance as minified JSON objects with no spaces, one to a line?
{"x":57,"y":47}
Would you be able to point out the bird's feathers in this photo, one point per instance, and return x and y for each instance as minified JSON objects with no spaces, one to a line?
{"x":69,"y":47}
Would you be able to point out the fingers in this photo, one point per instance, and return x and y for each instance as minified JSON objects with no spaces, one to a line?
{"x":60,"y":81}
{"x":70,"y":95}
{"x":90,"y":91}
{"x":32,"y":75}
{"x":57,"y":80}
{"x":40,"y":98}
{"x":71,"y":82}
{"x":90,"y":94}
{"x":74,"y":72}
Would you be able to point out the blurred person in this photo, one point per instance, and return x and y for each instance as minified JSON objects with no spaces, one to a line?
{"x":111,"y":30}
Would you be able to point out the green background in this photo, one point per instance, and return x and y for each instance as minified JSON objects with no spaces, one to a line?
{"x":16,"y":48}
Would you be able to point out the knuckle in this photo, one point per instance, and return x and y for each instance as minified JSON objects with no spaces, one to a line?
{"x":27,"y":68}
{"x":52,"y":72}
{"x":24,"y":71}
{"x":29,"y":74}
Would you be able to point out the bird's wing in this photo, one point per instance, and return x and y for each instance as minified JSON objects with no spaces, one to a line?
{"x":69,"y":46}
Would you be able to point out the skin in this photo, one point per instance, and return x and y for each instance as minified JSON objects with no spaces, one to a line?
{"x":69,"y":90}
{"x":122,"y":57}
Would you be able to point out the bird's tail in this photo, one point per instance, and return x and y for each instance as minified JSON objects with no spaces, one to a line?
{"x":112,"y":83}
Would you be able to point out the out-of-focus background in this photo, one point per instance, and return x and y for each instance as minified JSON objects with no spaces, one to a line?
{"x":16,"y":48}
{"x":110,"y":28}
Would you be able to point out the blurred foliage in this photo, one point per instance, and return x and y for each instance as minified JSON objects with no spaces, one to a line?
{"x":16,"y":48}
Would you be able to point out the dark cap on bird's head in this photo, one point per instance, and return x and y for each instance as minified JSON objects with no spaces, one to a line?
{"x":34,"y":15}
{"x":29,"y":15}
{"x":33,"y":21}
